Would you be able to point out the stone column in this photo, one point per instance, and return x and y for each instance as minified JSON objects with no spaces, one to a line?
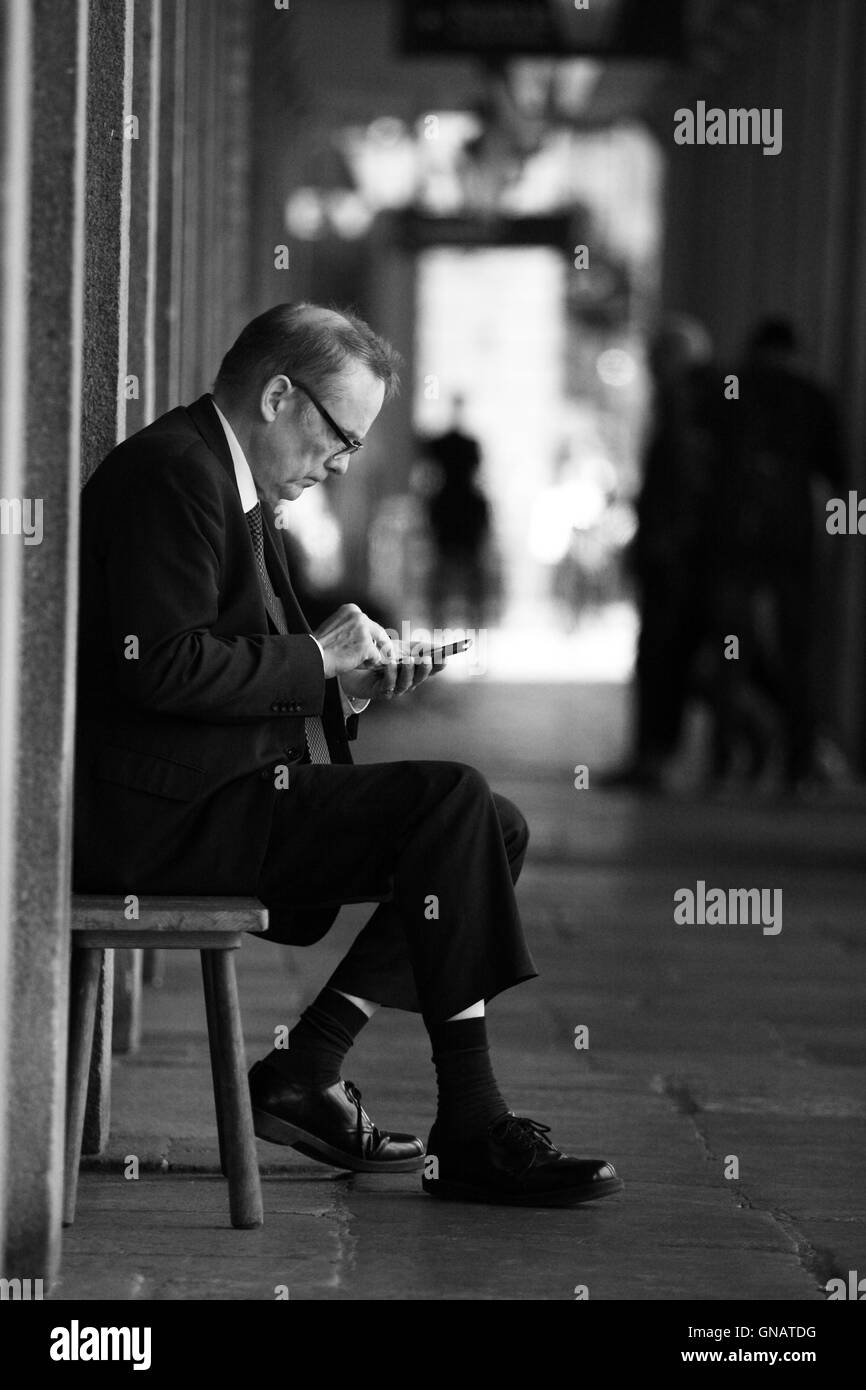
{"x":15,"y":41}
{"x":142,"y":135}
{"x":106,"y":280}
{"x":51,"y":355}
{"x":170,"y":205}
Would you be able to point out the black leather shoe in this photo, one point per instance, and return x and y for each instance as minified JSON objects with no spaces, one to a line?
{"x":514,"y":1163}
{"x":327,"y":1123}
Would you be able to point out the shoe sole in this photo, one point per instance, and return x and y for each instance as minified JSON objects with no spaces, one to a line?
{"x":290,"y":1136}
{"x":564,"y":1197}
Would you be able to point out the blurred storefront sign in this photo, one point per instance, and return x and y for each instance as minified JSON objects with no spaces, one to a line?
{"x":601,"y":28}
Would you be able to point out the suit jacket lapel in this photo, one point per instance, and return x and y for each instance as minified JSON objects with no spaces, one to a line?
{"x":207,"y":423}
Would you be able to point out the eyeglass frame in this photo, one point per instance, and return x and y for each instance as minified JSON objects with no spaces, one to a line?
{"x":351,"y":445}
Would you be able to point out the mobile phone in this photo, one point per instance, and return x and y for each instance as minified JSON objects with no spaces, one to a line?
{"x":438,"y":654}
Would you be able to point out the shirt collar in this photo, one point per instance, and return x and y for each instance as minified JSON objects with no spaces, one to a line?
{"x":243,"y":475}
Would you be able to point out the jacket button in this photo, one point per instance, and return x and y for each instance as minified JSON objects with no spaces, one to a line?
{"x":292,"y":752}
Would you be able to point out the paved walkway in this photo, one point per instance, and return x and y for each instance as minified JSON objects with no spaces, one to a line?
{"x":713,"y":1050}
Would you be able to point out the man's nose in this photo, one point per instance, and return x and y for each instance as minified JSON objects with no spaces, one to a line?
{"x":338,"y":465}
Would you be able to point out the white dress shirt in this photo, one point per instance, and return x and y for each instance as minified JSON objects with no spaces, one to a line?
{"x":249,"y":498}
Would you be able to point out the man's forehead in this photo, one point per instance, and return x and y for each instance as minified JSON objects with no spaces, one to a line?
{"x":356,"y":389}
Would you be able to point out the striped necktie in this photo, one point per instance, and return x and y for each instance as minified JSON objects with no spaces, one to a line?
{"x":317,"y":744}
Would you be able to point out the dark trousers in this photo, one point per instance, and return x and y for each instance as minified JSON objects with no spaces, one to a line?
{"x":784,"y":671}
{"x":674,"y":623}
{"x":435,"y":848}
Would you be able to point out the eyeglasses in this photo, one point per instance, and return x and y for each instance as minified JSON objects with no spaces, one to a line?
{"x":351,"y":445}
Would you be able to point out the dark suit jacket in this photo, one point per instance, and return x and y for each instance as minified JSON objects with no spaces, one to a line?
{"x":186,"y":700}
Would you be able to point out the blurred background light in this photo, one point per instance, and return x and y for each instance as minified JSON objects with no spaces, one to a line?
{"x":384,"y":160}
{"x":616,"y":367}
{"x":349,"y":215}
{"x":305,"y":214}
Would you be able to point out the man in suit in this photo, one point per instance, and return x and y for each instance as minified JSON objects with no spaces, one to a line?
{"x":213,"y":756}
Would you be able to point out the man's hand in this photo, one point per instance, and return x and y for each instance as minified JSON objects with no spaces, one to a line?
{"x":394,"y":676}
{"x":349,"y":639}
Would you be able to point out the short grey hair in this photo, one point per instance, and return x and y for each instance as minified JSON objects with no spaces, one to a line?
{"x":306,"y":340}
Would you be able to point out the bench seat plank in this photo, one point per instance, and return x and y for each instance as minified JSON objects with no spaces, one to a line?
{"x":176,"y":915}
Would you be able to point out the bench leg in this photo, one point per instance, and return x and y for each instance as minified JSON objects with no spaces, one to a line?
{"x":126,"y":1008}
{"x":153,"y":966}
{"x":86,"y":967}
{"x":212,"y":1035}
{"x":97,"y":1111}
{"x":231,"y":1088}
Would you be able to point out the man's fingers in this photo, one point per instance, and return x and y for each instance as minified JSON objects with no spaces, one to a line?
{"x":397,"y":667}
{"x":350,"y":639}
{"x":405,"y":677}
{"x":422,"y":670}
{"x":371,"y":634}
{"x":410,"y":672}
{"x":388,"y":679}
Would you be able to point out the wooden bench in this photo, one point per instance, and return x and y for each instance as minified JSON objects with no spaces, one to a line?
{"x":215,"y":927}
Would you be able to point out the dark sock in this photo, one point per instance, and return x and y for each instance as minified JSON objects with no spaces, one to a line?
{"x":319,"y":1040}
{"x":469,"y":1097}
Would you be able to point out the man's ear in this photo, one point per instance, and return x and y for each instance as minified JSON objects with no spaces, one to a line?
{"x":273,"y":395}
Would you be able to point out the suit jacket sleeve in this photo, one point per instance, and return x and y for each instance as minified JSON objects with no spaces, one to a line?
{"x":164,"y":556}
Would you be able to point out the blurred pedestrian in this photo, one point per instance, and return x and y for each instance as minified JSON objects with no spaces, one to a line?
{"x":459,"y":517}
{"x":784,"y":437}
{"x":670,"y":557}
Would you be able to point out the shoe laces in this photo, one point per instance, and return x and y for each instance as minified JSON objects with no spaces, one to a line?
{"x":522,"y":1133}
{"x":355,"y":1095}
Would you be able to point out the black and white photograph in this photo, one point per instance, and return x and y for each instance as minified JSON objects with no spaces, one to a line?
{"x":432,"y":672}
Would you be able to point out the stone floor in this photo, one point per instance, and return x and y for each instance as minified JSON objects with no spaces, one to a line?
{"x":723,"y":1077}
